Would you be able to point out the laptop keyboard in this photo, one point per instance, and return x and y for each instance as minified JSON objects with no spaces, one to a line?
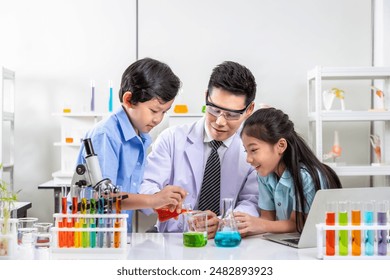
{"x":292,"y":240}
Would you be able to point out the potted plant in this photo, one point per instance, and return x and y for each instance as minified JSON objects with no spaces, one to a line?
{"x":7,"y":200}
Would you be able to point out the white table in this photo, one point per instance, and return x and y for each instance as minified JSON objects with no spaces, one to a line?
{"x":169,"y":246}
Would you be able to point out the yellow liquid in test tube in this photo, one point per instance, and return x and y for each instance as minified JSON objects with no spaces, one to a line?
{"x":77,"y":236}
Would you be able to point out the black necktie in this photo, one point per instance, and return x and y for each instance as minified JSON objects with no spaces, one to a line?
{"x":211,"y":187}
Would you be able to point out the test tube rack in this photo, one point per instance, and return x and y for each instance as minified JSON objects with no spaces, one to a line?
{"x":122,"y":229}
{"x":322,"y":228}
{"x":9,"y":241}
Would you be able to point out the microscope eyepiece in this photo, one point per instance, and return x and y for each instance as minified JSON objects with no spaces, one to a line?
{"x":88,"y":147}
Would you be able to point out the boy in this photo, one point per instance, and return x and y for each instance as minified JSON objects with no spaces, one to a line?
{"x":148,"y":89}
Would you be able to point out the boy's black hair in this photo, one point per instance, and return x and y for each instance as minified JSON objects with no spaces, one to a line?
{"x":148,"y":78}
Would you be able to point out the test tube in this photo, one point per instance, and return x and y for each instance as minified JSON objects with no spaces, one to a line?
{"x":92,"y":223}
{"x":84,"y":223}
{"x":100,"y":238}
{"x":343,"y":234}
{"x":117,"y":224}
{"x":109,"y":222}
{"x":330,"y":238}
{"x":63,"y":235}
{"x":92,"y":95}
{"x":110,"y":99}
{"x":356,"y":234}
{"x":76,"y":224}
{"x":369,"y":234}
{"x":382,"y":208}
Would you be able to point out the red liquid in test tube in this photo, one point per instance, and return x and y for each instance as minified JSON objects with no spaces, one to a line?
{"x":330,"y":235}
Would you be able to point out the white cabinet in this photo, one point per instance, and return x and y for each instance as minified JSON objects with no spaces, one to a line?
{"x":361,"y":105}
{"x":7,"y":125}
{"x":73,"y":129}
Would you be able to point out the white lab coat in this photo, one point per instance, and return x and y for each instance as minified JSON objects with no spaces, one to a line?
{"x":177,"y":158}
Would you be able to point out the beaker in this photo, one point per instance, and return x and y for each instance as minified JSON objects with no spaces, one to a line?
{"x":195,"y":229}
{"x":26,"y":230}
{"x":42,"y":241}
{"x":227,"y":234}
{"x":26,"y":236}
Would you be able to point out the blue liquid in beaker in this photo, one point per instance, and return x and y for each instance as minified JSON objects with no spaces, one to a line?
{"x":227,"y":239}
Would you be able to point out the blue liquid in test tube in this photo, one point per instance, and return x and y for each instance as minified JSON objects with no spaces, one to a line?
{"x":110,"y":100}
{"x":369,"y":235}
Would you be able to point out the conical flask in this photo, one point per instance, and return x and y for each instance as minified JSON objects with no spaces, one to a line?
{"x":227,"y":234}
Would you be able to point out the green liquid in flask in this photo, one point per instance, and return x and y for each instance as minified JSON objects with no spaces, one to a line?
{"x":194,"y":239}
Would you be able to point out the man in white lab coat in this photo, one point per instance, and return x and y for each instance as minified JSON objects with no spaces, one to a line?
{"x":179,"y":154}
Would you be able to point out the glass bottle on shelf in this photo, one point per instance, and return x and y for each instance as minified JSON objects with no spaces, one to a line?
{"x":227,"y":234}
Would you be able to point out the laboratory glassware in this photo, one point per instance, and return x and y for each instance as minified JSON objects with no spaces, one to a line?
{"x":227,"y":234}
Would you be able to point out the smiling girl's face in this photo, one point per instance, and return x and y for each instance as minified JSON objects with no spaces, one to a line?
{"x":263,"y":156}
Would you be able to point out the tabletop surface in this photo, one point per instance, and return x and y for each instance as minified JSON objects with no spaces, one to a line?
{"x":169,"y":246}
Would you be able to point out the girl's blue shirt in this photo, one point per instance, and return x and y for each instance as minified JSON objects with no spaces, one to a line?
{"x":279,"y":195}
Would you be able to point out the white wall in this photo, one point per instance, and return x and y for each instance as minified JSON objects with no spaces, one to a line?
{"x":278,"y":40}
{"x":56,"y":47}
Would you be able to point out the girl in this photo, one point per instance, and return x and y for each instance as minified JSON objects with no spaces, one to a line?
{"x":289,"y":174}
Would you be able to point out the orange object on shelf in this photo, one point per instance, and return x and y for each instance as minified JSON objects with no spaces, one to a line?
{"x":68,"y":139}
{"x":336,"y":149}
{"x":180,"y":109}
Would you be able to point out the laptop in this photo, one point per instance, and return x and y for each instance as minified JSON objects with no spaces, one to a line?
{"x":308,"y":237}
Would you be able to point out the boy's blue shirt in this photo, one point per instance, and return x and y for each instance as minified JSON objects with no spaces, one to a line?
{"x":121,"y":153}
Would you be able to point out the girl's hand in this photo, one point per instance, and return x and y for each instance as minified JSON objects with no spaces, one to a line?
{"x":247,"y":224}
{"x":212,"y":224}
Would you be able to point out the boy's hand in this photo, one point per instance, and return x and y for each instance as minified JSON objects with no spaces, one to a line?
{"x":170,"y":197}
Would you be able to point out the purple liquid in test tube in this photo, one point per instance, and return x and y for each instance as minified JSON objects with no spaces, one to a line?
{"x":382,"y":234}
{"x":92,"y":95}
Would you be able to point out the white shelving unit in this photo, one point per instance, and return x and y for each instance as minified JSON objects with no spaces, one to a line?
{"x":7,"y":125}
{"x":73,"y":129}
{"x":379,"y":119}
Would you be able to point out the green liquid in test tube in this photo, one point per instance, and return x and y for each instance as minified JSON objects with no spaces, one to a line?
{"x":84,"y":224}
{"x":92,"y":224}
{"x":343,"y":234}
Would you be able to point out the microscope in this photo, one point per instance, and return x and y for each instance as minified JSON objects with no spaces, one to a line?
{"x":89,"y":175}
